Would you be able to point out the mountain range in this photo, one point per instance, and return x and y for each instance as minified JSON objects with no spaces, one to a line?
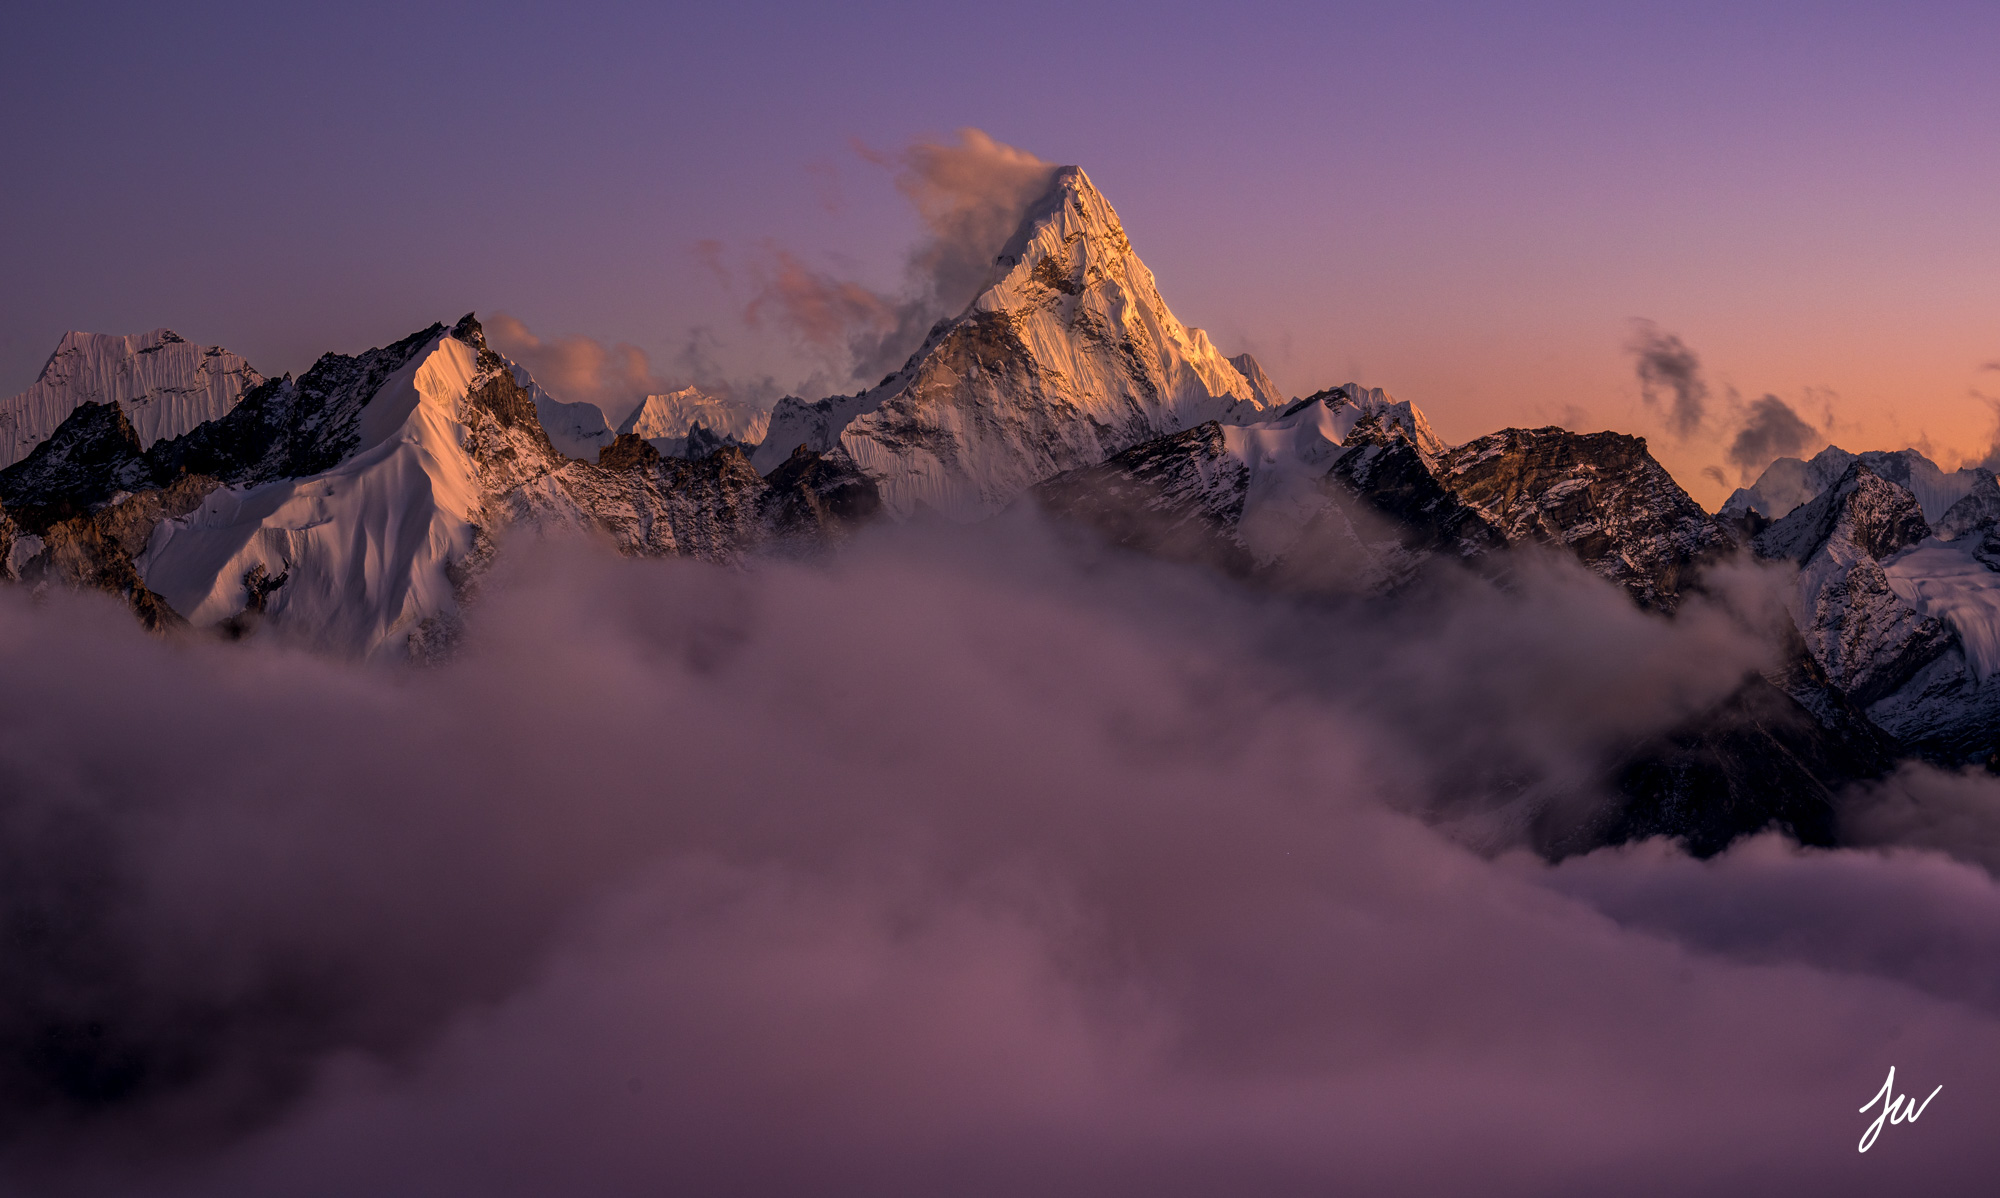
{"x":355,"y":508}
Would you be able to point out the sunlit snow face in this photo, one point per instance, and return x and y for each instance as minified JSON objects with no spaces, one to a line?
{"x":967,"y":863}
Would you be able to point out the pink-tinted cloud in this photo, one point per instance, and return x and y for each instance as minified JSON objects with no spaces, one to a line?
{"x":822,"y":311}
{"x":618,"y":376}
{"x":576,"y":369}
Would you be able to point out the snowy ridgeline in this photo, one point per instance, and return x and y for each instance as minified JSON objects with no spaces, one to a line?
{"x":355,"y":504}
{"x":168,"y":385}
{"x":356,"y":501}
{"x":1898,"y":596}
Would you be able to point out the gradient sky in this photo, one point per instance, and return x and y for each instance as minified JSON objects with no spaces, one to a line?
{"x":1467,"y":204}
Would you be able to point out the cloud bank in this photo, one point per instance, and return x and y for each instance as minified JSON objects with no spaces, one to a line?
{"x":979,"y":863}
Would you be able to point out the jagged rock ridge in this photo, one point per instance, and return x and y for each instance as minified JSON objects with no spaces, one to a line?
{"x":1898,"y":599}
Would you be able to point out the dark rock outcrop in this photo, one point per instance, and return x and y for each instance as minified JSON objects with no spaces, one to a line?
{"x":92,"y":455}
{"x":817,"y":496}
{"x":289,"y":429}
{"x":1601,"y":496}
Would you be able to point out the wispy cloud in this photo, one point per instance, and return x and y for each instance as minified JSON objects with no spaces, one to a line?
{"x":1670,"y":378}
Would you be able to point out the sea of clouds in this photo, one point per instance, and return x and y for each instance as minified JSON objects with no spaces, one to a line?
{"x":964,"y":862}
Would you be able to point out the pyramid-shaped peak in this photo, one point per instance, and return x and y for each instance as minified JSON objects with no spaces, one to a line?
{"x":1066,"y":355}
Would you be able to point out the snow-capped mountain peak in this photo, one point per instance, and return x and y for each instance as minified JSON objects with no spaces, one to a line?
{"x":359,"y":555}
{"x":577,"y":430}
{"x":1067,"y":355}
{"x":1348,"y":405}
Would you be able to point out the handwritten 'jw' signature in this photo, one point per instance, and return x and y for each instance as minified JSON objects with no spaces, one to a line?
{"x":1902,"y":1110}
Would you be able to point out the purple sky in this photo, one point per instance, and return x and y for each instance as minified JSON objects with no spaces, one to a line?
{"x":1468,"y":205}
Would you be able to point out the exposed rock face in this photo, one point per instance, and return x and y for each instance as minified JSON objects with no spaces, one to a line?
{"x":1384,"y":497}
{"x":1400,"y":482}
{"x":286,"y":429}
{"x":1756,"y":761}
{"x":1978,"y":512}
{"x":1066,"y":356}
{"x":1180,"y":497}
{"x":651,"y":505}
{"x":91,"y":456}
{"x":715,"y":509}
{"x":96,"y":548}
{"x":1862,"y":514}
{"x":1899,"y":623}
{"x":165,"y":385}
{"x":1599,"y":495}
{"x":817,"y":497}
{"x":11,"y":535}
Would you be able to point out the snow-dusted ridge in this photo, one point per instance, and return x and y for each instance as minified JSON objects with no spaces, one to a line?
{"x":353,"y":509}
{"x":1286,"y":456}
